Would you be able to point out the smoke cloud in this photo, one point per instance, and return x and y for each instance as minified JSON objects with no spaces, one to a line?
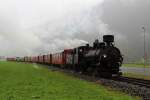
{"x":33,"y":27}
{"x":127,"y":17}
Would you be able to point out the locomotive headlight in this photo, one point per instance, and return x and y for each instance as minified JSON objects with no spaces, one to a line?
{"x":104,"y":55}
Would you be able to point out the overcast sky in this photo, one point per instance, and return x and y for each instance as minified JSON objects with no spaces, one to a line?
{"x":32,"y":27}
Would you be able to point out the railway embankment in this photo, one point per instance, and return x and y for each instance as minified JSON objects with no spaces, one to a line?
{"x":136,"y":72}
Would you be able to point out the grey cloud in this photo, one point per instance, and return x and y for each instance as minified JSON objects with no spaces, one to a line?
{"x":126,"y":17}
{"x":33,"y":27}
{"x":36,"y":27}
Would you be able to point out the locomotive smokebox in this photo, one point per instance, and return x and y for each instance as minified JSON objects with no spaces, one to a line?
{"x":108,"y":38}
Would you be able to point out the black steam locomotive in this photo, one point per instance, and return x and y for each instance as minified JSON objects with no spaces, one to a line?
{"x":102,"y":59}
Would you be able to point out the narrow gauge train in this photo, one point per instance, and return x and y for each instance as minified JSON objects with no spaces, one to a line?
{"x":101,"y":59}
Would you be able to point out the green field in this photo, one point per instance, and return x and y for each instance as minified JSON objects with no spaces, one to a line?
{"x":136,"y":65}
{"x":133,"y":75}
{"x":20,"y":81}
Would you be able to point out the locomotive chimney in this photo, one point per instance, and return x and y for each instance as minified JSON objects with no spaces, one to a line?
{"x":96,"y":43}
{"x":108,"y":39}
{"x":87,"y":45}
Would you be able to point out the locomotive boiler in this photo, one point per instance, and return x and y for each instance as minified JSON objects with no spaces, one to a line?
{"x":101,"y":59}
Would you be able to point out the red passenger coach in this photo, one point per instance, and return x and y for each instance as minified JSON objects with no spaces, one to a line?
{"x":34,"y":59}
{"x":41,"y":59}
{"x":27,"y":59}
{"x":68,"y":56}
{"x":48,"y":59}
{"x":57,"y":59}
{"x":11,"y":59}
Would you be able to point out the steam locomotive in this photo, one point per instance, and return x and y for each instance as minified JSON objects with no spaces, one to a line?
{"x":102,"y":59}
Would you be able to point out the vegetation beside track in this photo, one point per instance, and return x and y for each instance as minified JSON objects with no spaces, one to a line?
{"x":21,"y":81}
{"x":136,"y":65}
{"x":132,"y":75}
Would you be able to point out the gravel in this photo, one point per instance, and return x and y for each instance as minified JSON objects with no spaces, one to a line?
{"x":128,"y":88}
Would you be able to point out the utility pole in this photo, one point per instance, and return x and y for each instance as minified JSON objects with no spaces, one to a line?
{"x":144,"y":56}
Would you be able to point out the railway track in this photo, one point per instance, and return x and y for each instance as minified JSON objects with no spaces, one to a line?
{"x":132,"y":86}
{"x":134,"y":81}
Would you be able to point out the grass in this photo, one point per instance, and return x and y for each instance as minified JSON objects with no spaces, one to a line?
{"x":136,"y":65}
{"x":132,"y":75}
{"x":20,"y":81}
